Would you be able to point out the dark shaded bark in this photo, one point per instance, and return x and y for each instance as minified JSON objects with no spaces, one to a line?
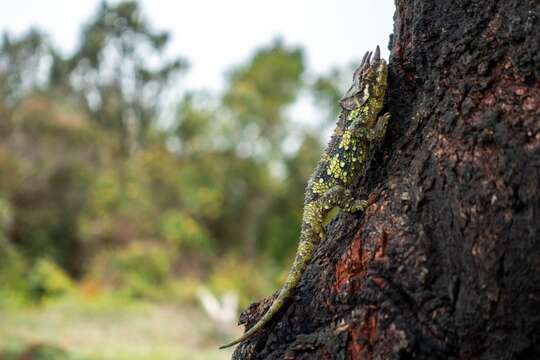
{"x":445,"y":262}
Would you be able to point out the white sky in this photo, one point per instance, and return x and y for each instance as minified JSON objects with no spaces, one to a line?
{"x":215,"y":35}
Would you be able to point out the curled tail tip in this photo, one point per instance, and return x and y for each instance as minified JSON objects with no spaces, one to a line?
{"x":237,"y":341}
{"x":229,"y":344}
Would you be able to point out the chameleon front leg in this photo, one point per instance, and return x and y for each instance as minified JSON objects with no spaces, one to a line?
{"x":368,"y":134}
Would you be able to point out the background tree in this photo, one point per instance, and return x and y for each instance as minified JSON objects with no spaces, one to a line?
{"x":119,"y":72}
{"x":247,"y":132}
{"x":220,"y":181}
{"x":22,"y":70}
{"x":65,"y":118}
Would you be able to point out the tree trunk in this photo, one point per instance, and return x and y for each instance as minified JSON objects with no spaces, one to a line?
{"x":445,"y":262}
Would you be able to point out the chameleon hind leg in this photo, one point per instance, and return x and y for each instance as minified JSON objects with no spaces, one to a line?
{"x":339,"y":197}
{"x":318,"y":213}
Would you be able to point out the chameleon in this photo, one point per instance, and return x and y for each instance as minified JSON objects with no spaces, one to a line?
{"x":329,"y":188}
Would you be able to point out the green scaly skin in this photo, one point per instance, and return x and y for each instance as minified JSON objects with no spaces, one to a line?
{"x":344,"y":159}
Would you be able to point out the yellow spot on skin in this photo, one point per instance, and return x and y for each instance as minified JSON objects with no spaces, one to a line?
{"x":321,"y":186}
{"x":353,"y":114}
{"x":346,"y":140}
{"x":335,"y":168}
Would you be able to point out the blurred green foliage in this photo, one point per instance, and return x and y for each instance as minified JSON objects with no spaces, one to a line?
{"x":47,"y":280}
{"x":138,"y":270}
{"x":99,"y":194}
{"x":251,"y":280}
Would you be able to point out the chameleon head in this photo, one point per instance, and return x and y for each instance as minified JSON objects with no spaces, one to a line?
{"x":369,"y":85}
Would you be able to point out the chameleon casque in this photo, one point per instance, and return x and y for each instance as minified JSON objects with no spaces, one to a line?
{"x":360,"y":125}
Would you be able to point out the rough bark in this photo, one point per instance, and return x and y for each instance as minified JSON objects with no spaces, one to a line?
{"x":445,"y":262}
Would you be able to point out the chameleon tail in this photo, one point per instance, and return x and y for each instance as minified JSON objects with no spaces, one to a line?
{"x":303,"y":256}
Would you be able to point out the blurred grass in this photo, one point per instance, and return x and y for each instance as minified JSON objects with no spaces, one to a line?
{"x":109,"y":329}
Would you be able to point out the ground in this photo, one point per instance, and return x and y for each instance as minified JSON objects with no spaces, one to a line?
{"x":97,"y":332}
